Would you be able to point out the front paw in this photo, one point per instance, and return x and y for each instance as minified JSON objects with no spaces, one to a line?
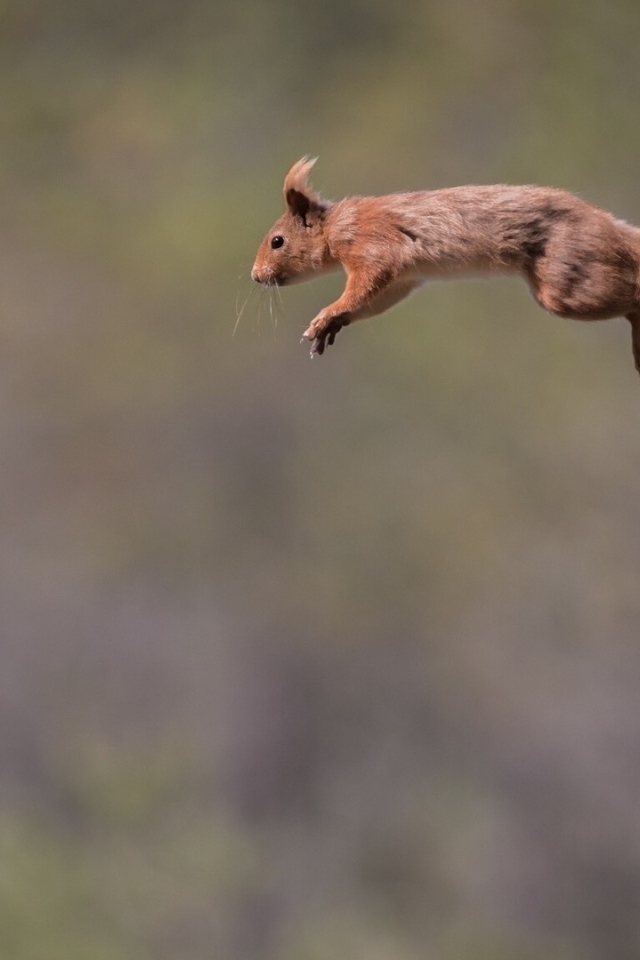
{"x":323,"y":330}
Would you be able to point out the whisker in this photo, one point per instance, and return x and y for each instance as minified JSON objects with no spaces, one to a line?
{"x":276,"y":307}
{"x":279,"y":303}
{"x":239,"y":312}
{"x":263,"y":291}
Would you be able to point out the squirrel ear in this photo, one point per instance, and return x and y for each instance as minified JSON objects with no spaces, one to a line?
{"x":299,"y":195}
{"x":298,"y":203}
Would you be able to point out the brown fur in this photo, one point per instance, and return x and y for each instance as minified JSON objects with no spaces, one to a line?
{"x":578,"y":260}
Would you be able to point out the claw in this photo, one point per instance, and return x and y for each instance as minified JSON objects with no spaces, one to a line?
{"x":317,"y":347}
{"x":326,"y":338}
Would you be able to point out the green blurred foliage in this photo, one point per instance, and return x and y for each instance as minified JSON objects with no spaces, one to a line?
{"x":306,"y":660}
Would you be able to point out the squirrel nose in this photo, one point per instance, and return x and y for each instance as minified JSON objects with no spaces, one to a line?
{"x":255,"y":276}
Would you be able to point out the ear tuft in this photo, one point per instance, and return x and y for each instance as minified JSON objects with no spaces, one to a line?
{"x":299,"y":195}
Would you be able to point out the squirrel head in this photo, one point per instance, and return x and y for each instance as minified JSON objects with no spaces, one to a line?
{"x":295,"y":247}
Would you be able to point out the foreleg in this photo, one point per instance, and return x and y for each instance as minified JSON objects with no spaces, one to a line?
{"x":362,"y":297}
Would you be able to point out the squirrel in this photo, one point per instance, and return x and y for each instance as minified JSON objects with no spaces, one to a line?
{"x":578,"y":260}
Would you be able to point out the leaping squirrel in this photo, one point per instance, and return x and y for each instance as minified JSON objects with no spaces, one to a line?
{"x":579,"y":261}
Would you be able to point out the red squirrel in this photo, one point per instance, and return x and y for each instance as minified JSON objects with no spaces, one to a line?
{"x":579,"y":261}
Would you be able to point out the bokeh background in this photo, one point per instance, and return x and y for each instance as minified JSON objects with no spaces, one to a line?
{"x":309,"y":660}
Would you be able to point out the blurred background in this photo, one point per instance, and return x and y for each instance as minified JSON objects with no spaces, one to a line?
{"x":309,"y":660}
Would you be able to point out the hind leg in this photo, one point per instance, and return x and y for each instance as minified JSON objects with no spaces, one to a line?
{"x":585,"y":273}
{"x":634,"y":320}
{"x":574,"y":290}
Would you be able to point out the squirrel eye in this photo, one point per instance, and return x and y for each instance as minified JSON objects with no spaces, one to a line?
{"x":277,"y":242}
